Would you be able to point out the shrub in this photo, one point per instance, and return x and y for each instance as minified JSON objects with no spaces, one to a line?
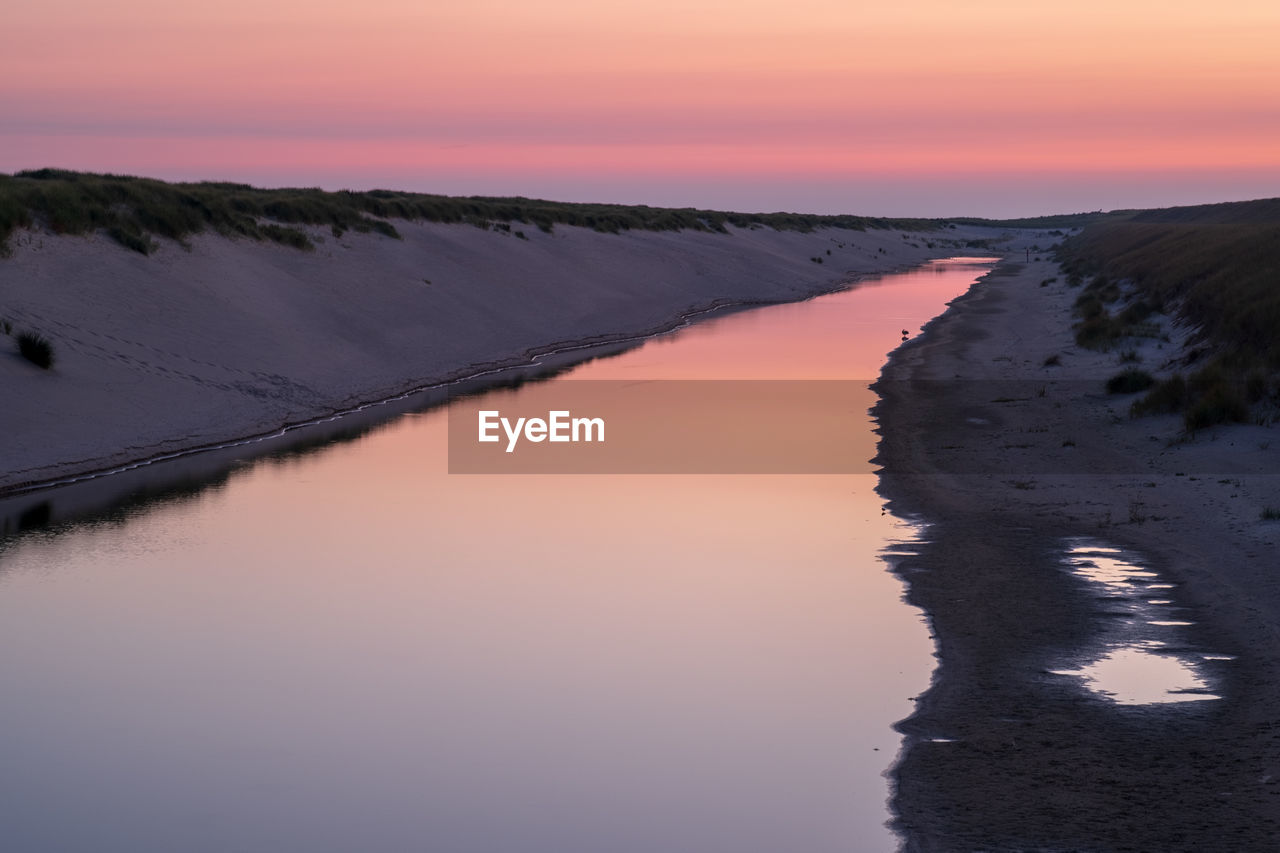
{"x":1130,"y":381}
{"x":1270,"y":513}
{"x":131,"y":239}
{"x":1219,"y":406}
{"x":1088,"y":305}
{"x":1137,"y":312}
{"x":287,"y":236}
{"x":1097,"y":332}
{"x":386,"y":229}
{"x":1255,"y":386}
{"x":36,"y":349}
{"x":1167,"y":396}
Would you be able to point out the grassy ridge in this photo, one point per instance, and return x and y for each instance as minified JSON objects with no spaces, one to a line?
{"x":1263,"y":211}
{"x":134,"y":210}
{"x":1225,"y":278}
{"x":1218,"y":267}
{"x":1054,"y":221}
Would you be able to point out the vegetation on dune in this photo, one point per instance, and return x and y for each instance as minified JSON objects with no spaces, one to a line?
{"x":1209,"y":396}
{"x":134,"y":210}
{"x":1054,"y":221}
{"x":36,"y":349}
{"x":1099,"y":328}
{"x":1164,"y":398}
{"x":1263,"y":211}
{"x":1216,"y":266}
{"x":1130,"y":381}
{"x":1225,"y":213}
{"x":1224,"y":278}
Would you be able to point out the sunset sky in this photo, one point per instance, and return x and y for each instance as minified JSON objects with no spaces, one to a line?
{"x":989,"y":107}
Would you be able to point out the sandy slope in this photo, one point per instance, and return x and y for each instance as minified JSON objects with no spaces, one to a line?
{"x":1006,"y":458}
{"x":231,"y":338}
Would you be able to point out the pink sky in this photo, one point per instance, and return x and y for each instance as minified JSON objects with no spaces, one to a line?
{"x":915,"y":107}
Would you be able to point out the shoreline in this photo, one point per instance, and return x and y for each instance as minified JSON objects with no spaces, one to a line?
{"x":1006,"y":458}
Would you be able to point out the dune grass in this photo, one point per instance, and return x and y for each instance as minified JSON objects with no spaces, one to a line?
{"x":1130,"y":381}
{"x":1210,"y":396}
{"x":1218,"y":267}
{"x":36,"y":349}
{"x":133,"y":211}
{"x":1057,"y":221}
{"x":1223,"y":277}
{"x":1098,"y":327}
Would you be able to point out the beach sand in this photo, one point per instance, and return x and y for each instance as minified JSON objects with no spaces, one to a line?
{"x":1007,"y":460}
{"x":224,"y":339}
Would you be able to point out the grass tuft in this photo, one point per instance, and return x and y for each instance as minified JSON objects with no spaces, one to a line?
{"x":1098,"y":332}
{"x":1165,"y":397}
{"x":132,"y":239}
{"x":1130,"y":381}
{"x":286,"y":236}
{"x":36,"y":349}
{"x":1219,"y":406}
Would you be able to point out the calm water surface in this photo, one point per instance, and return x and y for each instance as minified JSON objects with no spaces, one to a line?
{"x":355,"y":651}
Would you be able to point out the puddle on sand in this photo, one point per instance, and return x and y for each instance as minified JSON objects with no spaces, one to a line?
{"x":1140,"y":658}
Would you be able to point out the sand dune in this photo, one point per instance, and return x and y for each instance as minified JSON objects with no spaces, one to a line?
{"x":229,"y":338}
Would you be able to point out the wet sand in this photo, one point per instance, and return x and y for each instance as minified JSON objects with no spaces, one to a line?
{"x":1005,"y":458}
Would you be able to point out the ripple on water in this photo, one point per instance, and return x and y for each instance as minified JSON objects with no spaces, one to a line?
{"x":1140,"y":658}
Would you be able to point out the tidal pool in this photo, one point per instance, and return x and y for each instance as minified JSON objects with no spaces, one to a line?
{"x":1141,"y":658}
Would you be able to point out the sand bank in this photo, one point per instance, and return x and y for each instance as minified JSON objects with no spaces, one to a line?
{"x":223,"y":339}
{"x":998,"y":434}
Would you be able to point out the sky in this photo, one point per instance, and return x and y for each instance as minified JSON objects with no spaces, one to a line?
{"x":916,"y":107}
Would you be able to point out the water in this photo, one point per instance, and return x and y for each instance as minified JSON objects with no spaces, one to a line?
{"x":1141,"y":658}
{"x":354,"y":650}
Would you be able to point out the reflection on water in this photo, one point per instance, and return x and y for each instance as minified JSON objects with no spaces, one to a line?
{"x":1140,"y":660}
{"x":352,"y":650}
